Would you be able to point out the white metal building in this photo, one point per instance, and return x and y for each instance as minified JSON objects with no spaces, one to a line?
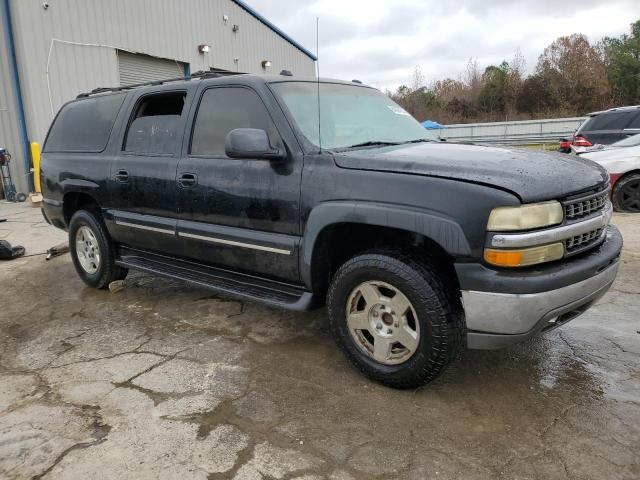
{"x":50,"y":51}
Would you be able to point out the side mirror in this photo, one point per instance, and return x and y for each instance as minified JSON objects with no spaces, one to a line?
{"x":251,"y":143}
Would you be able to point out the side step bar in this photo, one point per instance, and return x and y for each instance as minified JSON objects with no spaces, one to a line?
{"x":270,"y":292}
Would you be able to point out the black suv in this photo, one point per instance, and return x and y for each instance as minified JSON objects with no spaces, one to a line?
{"x":299,"y":193}
{"x":605,"y":128}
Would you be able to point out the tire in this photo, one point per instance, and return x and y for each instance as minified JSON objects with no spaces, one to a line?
{"x":626,"y":194}
{"x":92,"y":250}
{"x":434,"y":318}
{"x":20,"y":197}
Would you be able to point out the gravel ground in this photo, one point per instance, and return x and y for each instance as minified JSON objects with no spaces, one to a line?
{"x":166,"y":381}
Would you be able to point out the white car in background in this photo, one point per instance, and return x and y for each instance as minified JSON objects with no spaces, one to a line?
{"x":632,"y":141}
{"x":623,"y":165}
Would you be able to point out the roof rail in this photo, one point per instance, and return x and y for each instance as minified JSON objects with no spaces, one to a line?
{"x":197,"y":75}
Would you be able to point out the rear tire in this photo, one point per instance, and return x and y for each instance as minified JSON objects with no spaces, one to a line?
{"x":626,"y":194}
{"x":423,"y":335}
{"x":92,"y":250}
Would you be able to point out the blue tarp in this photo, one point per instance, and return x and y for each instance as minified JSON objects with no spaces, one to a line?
{"x":431,"y":125}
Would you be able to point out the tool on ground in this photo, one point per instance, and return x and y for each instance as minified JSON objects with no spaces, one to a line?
{"x":57,"y":250}
{"x":10,"y":192}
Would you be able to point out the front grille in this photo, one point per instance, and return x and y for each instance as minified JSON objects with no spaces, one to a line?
{"x":584,"y":241}
{"x":585,"y":206}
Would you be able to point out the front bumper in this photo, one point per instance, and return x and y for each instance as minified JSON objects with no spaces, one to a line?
{"x":499,"y":313}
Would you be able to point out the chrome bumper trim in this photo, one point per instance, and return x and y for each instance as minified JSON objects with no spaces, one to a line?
{"x":515,"y":314}
{"x":551,"y":235}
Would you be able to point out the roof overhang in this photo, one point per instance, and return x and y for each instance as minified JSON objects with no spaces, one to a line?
{"x":275,"y":29}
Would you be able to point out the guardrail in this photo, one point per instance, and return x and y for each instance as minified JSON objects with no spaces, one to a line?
{"x":513,"y":133}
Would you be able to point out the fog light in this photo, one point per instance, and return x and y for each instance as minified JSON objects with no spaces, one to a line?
{"x":525,"y":256}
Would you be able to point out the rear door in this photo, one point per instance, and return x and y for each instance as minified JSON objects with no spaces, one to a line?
{"x":142,"y":180}
{"x":239,"y":213}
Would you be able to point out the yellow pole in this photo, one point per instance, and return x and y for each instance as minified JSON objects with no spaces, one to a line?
{"x":35,"y":156}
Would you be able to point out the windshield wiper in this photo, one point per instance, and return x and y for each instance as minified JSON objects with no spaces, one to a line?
{"x":372,"y":143}
{"x":419,"y":140}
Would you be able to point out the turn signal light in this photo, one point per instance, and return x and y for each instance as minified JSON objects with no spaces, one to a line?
{"x":524,"y":257}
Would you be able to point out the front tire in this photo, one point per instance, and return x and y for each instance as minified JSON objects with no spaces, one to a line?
{"x":92,"y":250}
{"x":394,"y":318}
{"x":626,"y":194}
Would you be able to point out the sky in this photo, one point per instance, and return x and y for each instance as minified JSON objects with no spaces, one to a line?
{"x":381,"y":42}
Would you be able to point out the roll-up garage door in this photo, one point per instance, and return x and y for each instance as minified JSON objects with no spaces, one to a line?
{"x":139,"y":68}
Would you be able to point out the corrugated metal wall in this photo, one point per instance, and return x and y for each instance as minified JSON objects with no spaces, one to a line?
{"x":71,"y":46}
{"x":9,"y":129}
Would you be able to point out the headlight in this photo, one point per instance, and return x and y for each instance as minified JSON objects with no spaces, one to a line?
{"x":525,"y":217}
{"x":525,"y":256}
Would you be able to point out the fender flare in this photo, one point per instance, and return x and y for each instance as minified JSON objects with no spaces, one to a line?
{"x":78,"y":185}
{"x":443,"y":230}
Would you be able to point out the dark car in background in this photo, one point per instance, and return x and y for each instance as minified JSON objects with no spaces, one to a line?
{"x":604,"y":128}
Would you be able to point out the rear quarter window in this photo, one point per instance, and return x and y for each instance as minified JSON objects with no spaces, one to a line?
{"x":608,"y":121}
{"x":84,"y":125}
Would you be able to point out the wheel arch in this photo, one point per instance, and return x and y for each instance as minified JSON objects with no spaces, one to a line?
{"x":620,"y":176}
{"x":72,"y":201}
{"x":369,"y":225}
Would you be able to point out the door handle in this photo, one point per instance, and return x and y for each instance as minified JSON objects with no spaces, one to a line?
{"x":188,"y":180}
{"x":122,"y":176}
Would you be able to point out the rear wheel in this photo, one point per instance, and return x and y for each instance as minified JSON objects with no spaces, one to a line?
{"x":394,"y":318}
{"x":626,"y":194}
{"x":92,"y":250}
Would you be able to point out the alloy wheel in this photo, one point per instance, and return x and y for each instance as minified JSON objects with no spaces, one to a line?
{"x":383,"y":322}
{"x":87,"y":250}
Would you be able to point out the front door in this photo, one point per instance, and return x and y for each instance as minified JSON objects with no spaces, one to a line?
{"x":238,"y":213}
{"x":143,"y":176}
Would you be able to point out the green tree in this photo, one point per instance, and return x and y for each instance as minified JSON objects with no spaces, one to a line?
{"x":494,"y":86}
{"x":622,"y":59}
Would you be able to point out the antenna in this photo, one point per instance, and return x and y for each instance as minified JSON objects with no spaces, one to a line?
{"x":318,"y":80}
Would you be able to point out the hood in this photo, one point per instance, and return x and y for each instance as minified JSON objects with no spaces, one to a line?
{"x":532,"y":176}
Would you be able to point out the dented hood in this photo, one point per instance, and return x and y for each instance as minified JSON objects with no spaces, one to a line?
{"x":532,"y":176}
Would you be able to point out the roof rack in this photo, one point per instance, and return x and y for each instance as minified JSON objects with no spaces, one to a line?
{"x":197,"y":75}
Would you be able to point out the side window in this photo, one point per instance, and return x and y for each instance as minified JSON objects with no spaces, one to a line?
{"x":609,"y":121}
{"x":635,"y":123}
{"x":224,"y":109}
{"x":154,"y":126}
{"x":84,"y":125}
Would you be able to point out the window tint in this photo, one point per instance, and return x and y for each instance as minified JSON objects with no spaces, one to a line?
{"x":608,"y":121}
{"x":85,"y":125}
{"x":155,"y":125}
{"x":222,"y":110}
{"x":635,"y":123}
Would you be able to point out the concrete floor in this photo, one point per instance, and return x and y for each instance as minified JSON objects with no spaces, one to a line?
{"x":166,"y":381}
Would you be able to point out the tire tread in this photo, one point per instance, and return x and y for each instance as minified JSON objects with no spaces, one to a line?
{"x":442,"y":305}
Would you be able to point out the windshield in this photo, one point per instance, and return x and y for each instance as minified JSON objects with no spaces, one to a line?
{"x":631,"y":141}
{"x":350,"y":115}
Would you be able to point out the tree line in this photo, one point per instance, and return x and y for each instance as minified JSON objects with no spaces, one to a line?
{"x":572,"y":77}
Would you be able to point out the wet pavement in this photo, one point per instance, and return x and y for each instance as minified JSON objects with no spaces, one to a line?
{"x":167,"y":381}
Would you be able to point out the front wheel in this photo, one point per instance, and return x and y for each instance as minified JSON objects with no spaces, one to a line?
{"x":626,"y":194}
{"x":394,"y":318}
{"x":92,"y":250}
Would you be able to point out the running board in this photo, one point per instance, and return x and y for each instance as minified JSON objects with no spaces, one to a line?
{"x":259,"y":289}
